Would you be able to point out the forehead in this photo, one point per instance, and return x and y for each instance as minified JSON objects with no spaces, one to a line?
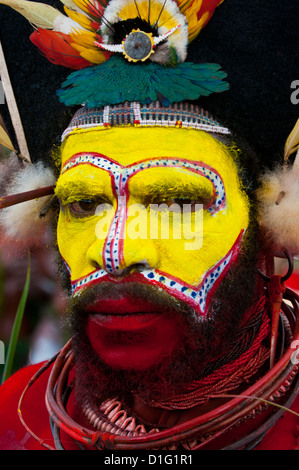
{"x":128,"y":146}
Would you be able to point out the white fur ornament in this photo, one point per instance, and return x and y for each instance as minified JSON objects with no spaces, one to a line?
{"x":21,"y":224}
{"x":278,"y":198}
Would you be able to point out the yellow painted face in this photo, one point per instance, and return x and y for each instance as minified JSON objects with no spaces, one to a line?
{"x":165,"y":204}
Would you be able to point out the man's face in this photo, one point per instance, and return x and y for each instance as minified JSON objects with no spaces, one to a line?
{"x":112,"y":233}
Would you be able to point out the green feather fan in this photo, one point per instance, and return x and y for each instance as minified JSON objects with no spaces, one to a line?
{"x":116,"y":81}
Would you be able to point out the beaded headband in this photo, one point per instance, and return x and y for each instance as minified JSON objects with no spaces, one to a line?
{"x":180,"y":115}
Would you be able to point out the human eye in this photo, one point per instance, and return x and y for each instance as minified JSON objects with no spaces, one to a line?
{"x":186,"y":202}
{"x":84,"y":207}
{"x":191,"y":204}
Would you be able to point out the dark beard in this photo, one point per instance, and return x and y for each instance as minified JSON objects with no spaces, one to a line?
{"x":208,"y":343}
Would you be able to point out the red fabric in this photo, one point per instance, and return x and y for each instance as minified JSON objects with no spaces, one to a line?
{"x":285,"y":435}
{"x":293,"y":282}
{"x":13,"y":435}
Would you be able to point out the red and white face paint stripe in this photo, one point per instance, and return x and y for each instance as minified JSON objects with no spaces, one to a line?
{"x":113,"y":254}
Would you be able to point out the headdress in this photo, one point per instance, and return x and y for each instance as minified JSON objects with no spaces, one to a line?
{"x":102,"y":39}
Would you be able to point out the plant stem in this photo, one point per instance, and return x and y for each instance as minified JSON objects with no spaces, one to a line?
{"x":16,"y":327}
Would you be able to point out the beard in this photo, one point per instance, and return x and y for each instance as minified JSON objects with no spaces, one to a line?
{"x":207,"y":344}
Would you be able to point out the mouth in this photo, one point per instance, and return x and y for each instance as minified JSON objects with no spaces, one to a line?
{"x":125,"y":314}
{"x":132,"y":333}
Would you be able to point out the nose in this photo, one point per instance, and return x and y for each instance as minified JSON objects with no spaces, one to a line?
{"x":132,"y":257}
{"x":119,"y":254}
{"x":134,"y":267}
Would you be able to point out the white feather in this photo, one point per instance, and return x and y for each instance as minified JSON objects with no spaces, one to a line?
{"x":66,"y":25}
{"x":39,"y":14}
{"x":20,"y":224}
{"x":279,"y":209}
{"x":71,"y":5}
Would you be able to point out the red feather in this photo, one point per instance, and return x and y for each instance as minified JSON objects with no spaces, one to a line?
{"x":96,"y":9}
{"x":96,"y":26}
{"x":56,"y":47}
{"x":210,"y":6}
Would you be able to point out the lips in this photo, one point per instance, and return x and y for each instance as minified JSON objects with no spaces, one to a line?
{"x":130,"y":322}
{"x":130,"y":333}
{"x":124,"y":314}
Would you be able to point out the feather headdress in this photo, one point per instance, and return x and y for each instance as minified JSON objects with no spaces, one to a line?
{"x":122,"y":45}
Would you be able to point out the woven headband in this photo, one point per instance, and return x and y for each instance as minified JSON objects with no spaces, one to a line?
{"x":152,"y":115}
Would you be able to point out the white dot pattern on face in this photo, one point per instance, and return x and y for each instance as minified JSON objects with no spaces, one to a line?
{"x":119,"y":171}
{"x":194,"y":296}
{"x":112,"y":255}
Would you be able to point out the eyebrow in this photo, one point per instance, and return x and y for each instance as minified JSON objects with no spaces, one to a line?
{"x":172,"y":186}
{"x":70,"y":190}
{"x":75,"y":189}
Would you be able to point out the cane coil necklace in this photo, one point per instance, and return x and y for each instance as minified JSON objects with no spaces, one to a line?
{"x":114,"y":428}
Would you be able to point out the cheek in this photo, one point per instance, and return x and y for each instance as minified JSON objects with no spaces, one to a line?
{"x":202,"y":246}
{"x":74,"y":239}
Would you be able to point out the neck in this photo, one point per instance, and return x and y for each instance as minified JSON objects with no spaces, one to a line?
{"x":246,"y":356}
{"x":228,"y":373}
{"x":197,"y":427}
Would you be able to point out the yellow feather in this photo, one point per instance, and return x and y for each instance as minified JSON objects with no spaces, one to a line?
{"x":128,"y":10}
{"x":40,"y":15}
{"x":292,"y":143}
{"x":84,"y":38}
{"x":95,"y":58}
{"x":195,"y":25}
{"x":186,"y":4}
{"x":5,"y":140}
{"x":82,"y":20}
{"x":82,"y":5}
{"x":92,"y":55}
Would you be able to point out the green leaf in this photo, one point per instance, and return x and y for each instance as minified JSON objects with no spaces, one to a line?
{"x":16,"y":327}
{"x":1,"y":288}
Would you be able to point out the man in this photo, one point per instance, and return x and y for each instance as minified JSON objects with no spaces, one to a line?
{"x":172,"y":325}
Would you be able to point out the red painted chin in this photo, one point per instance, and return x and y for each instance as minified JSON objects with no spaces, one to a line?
{"x":129,"y":334}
